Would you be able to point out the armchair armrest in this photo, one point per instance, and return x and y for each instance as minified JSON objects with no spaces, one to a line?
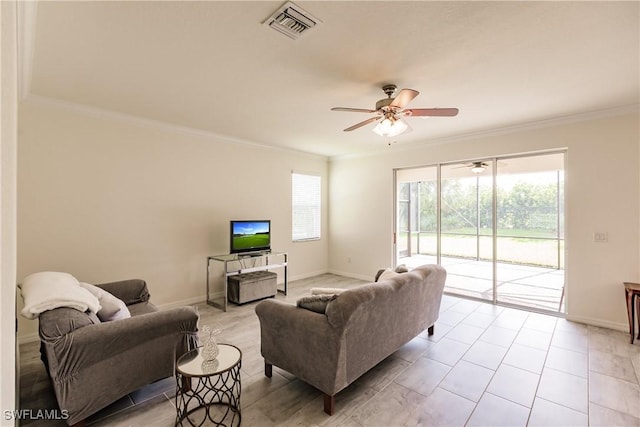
{"x":130,"y":291}
{"x":94,"y":344}
{"x":303,"y":343}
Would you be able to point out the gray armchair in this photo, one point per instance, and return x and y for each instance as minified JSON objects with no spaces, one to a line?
{"x":93,"y":364}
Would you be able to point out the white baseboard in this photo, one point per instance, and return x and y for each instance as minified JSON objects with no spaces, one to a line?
{"x":352,"y":275}
{"x":188,"y":301}
{"x":307,"y":275}
{"x":599,"y":322}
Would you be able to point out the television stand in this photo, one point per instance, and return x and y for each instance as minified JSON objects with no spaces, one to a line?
{"x":221,"y":267}
{"x":251,"y":254}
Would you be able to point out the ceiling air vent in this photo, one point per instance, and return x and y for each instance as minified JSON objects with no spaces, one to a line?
{"x":291,"y":20}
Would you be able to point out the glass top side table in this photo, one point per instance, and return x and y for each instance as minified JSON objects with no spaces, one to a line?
{"x":209,"y":390}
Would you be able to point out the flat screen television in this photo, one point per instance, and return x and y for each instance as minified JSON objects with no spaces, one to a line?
{"x":250,"y":236}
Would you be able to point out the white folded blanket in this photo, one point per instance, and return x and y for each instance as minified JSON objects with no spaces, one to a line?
{"x":48,"y":290}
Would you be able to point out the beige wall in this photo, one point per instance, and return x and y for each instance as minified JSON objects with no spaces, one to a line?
{"x":8,"y":137}
{"x":106,"y":198}
{"x":602,"y":194}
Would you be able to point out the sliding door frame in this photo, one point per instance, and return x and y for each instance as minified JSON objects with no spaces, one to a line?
{"x":494,"y":223}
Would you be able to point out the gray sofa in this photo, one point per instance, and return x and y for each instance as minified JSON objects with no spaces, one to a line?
{"x":93,"y":364}
{"x":359,"y":328}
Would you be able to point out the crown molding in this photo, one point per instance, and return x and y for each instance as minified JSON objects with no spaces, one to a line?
{"x":505,"y":130}
{"x":100,"y":113}
{"x":96,"y":112}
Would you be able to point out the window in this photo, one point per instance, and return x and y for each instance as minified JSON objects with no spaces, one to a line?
{"x":306,"y":206}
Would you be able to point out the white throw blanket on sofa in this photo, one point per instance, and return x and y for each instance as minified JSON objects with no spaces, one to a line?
{"x":48,"y":290}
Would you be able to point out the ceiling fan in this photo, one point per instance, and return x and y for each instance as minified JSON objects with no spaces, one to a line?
{"x":390,"y":111}
{"x":478,"y":167}
{"x":475,"y":167}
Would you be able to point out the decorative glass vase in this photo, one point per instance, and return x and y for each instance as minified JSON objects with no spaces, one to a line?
{"x":210,"y":346}
{"x":209,"y":366}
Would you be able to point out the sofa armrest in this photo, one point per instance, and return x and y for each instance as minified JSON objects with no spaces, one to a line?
{"x":130,"y":291}
{"x":94,"y":344}
{"x":303,"y":343}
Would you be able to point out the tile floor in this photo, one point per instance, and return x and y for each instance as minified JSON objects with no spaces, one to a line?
{"x":484,"y":366}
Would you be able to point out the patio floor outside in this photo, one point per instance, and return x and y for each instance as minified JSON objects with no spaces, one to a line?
{"x":539,"y":288}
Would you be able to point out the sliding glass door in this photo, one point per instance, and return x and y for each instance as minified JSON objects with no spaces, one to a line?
{"x":530,"y":231}
{"x":497,"y":225}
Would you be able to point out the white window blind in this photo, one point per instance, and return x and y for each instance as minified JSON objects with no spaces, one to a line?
{"x":306,"y":206}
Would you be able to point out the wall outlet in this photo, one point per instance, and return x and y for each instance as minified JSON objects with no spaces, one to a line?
{"x":349,"y":260}
{"x":600,"y":237}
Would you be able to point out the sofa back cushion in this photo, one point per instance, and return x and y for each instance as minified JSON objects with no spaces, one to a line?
{"x":131,"y":291}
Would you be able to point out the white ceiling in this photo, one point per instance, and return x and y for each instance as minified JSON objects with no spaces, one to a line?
{"x":212,"y":66}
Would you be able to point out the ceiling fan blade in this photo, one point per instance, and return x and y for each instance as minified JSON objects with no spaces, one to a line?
{"x":404,"y":97}
{"x":354,"y":110}
{"x":432,"y":112}
{"x":359,"y":125}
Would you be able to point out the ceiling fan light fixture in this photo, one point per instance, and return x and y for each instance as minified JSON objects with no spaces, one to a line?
{"x":477,"y":168}
{"x":390,"y":126}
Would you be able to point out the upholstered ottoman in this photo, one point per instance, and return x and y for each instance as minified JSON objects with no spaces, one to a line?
{"x":252,"y":286}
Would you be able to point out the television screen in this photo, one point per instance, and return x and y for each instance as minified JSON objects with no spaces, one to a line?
{"x":250,"y":236}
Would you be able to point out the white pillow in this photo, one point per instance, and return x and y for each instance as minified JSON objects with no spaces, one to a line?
{"x":402,"y":268}
{"x":387,"y":274}
{"x":109,"y":303}
{"x":122,"y":313}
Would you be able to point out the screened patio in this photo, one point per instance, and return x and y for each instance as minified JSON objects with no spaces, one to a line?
{"x":538,"y":288}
